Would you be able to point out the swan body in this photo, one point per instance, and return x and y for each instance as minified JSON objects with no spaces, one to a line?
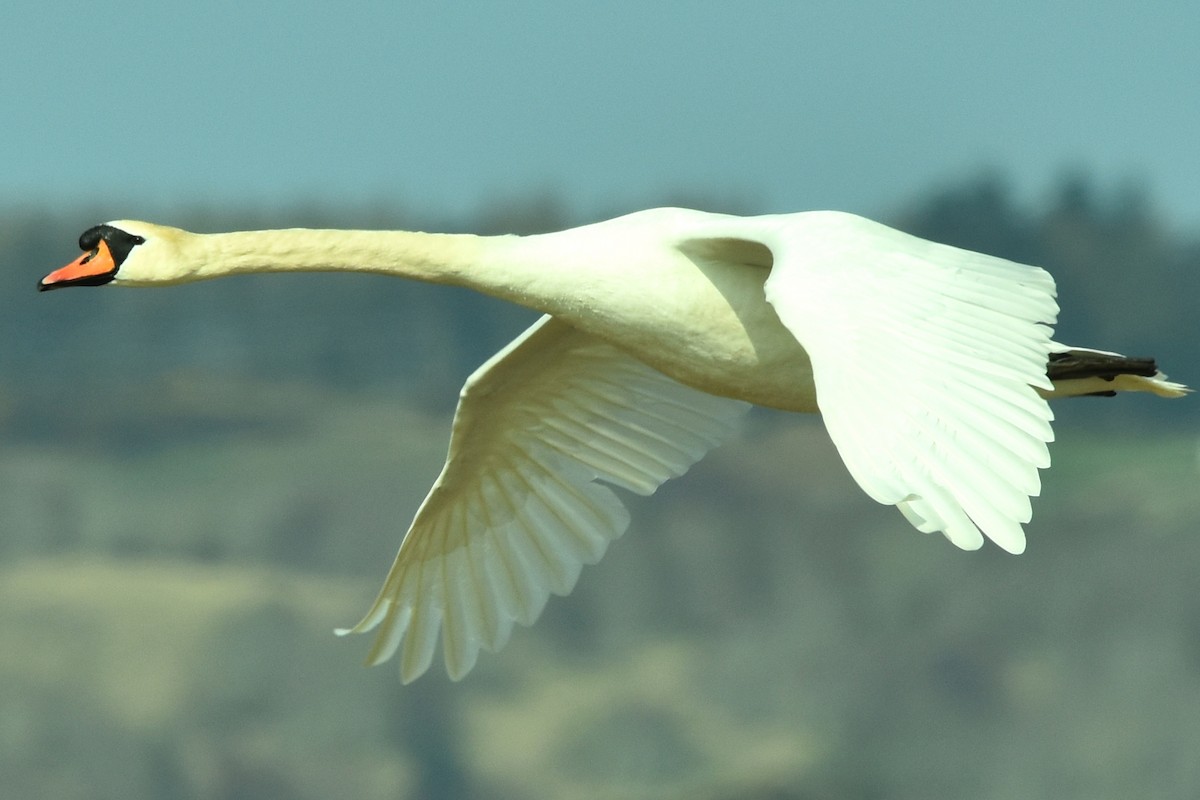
{"x":929,"y":364}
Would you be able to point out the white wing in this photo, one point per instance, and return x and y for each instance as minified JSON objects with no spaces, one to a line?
{"x":924,"y":358}
{"x":517,"y":510}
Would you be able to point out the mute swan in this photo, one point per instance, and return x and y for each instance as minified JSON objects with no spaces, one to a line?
{"x":929,"y":364}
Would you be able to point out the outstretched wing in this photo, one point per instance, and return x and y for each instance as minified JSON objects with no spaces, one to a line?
{"x":517,"y":509}
{"x":925,"y":358}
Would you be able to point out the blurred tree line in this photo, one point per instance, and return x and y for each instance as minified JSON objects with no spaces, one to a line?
{"x":820,"y":629}
{"x":1125,"y":283}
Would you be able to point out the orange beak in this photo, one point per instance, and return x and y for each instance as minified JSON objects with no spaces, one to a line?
{"x":93,"y":268}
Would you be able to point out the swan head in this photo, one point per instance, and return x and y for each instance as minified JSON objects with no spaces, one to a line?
{"x":121,"y":252}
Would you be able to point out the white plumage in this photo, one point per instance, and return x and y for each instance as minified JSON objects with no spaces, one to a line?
{"x":928,"y":364}
{"x":517,"y":510}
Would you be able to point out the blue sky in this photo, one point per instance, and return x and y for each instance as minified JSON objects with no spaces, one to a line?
{"x":443,"y":107}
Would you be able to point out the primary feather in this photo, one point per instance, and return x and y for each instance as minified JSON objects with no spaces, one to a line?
{"x":518,"y":510}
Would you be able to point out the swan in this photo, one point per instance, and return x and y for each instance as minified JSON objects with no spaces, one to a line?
{"x":930,"y":366}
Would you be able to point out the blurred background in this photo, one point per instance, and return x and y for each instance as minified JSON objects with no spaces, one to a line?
{"x":198,"y":484}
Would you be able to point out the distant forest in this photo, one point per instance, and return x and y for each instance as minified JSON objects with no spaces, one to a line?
{"x":1125,"y":283}
{"x":200,"y":482}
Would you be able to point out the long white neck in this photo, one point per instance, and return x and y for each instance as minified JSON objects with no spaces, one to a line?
{"x":433,"y":257}
{"x":527,"y":270}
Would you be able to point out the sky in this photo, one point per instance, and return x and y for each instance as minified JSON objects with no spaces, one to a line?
{"x":447,"y":108}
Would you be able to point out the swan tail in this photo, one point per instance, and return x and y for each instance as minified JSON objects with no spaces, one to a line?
{"x":1079,"y":372}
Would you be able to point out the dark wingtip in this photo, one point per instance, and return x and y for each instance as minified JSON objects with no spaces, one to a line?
{"x":1088,"y":364}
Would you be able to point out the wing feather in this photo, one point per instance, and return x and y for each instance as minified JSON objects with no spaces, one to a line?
{"x":925,"y":358}
{"x":521,"y":503}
